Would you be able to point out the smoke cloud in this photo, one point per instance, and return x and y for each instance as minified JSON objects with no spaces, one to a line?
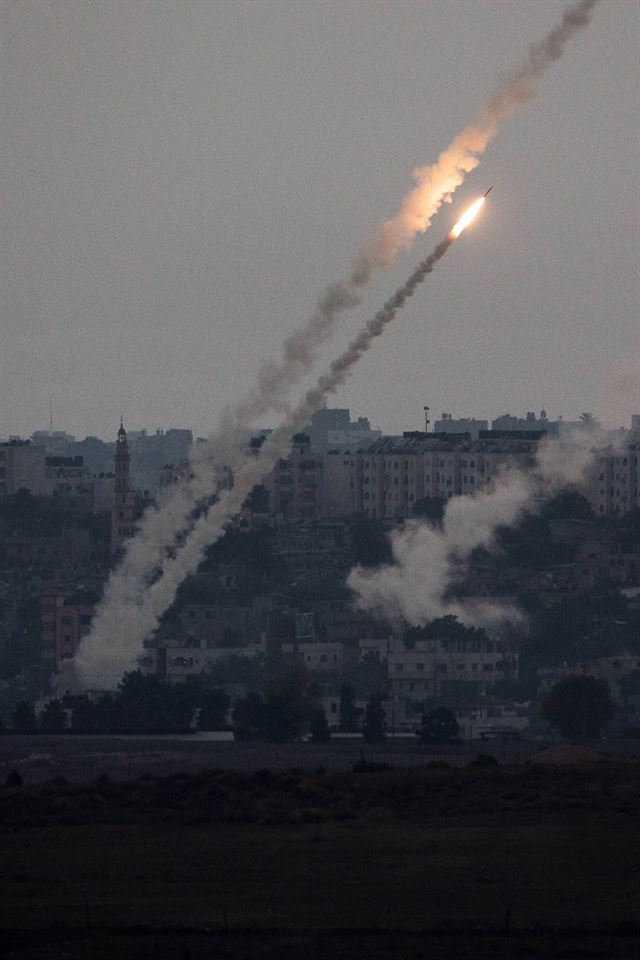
{"x":428,"y":561}
{"x":129,"y":614}
{"x":164,"y":527}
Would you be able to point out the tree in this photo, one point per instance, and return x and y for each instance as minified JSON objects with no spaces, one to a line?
{"x":319,"y":728}
{"x":248,"y":717}
{"x":83,"y":715}
{"x":148,"y":704}
{"x":283,"y":713}
{"x":213,"y":710}
{"x":439,"y":726}
{"x":373,"y":727}
{"x":348,"y":712}
{"x":24,"y":718}
{"x":372,"y":675}
{"x":53,"y":718}
{"x":578,"y":706}
{"x":291,"y":700}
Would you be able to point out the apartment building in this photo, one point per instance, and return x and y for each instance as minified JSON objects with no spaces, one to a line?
{"x":390,"y":477}
{"x":615,"y":480}
{"x":62,"y":624}
{"x":295,"y":484}
{"x":425,"y":670}
{"x":22,"y":467}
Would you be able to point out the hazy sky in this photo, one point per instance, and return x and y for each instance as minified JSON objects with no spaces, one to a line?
{"x":183,"y":177}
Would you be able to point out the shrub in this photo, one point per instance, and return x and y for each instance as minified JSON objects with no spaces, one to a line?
{"x":484,"y":760}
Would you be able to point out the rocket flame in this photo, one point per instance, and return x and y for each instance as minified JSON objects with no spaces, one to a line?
{"x":467,"y":217}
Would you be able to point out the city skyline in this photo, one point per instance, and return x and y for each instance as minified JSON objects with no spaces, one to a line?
{"x":628,"y":418}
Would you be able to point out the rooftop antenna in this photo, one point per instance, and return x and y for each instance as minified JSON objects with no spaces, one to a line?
{"x":426,"y":420}
{"x":50,"y":425}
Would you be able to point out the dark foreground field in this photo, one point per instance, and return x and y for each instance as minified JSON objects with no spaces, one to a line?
{"x":522,"y":860}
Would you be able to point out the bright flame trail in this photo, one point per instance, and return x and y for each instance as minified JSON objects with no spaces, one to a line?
{"x":467,"y":217}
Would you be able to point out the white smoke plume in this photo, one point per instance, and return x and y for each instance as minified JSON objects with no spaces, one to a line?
{"x":163,"y":525}
{"x":428,"y":560}
{"x":436,"y":183}
{"x":129,"y":616}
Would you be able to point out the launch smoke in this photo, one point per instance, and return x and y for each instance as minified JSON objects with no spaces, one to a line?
{"x":428,"y":560}
{"x":162,"y":527}
{"x":119,"y":631}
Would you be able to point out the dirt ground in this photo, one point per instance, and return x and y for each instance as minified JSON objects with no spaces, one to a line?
{"x":563,"y":871}
{"x":522,"y":860}
{"x":83,"y":758}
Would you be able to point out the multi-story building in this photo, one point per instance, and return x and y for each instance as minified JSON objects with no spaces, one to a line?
{"x":295,"y":484}
{"x":22,"y":467}
{"x":615,"y":479}
{"x":333,"y":429}
{"x":150,"y":452}
{"x":323,"y":658}
{"x":104,"y":494}
{"x":70,"y":482}
{"x":312,"y":549}
{"x":63,"y":624}
{"x":426,"y":670}
{"x":56,"y":442}
{"x":387,"y":479}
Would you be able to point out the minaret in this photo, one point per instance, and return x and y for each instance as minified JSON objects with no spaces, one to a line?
{"x":122,"y":514}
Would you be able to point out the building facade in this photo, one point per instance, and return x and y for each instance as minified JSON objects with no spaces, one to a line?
{"x":22,"y":467}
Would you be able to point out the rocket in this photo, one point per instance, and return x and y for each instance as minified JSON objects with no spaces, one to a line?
{"x":489,"y":190}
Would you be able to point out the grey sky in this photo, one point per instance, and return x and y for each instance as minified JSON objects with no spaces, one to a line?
{"x":183,"y":177}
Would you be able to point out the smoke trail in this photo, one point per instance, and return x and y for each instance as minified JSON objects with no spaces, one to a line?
{"x":427,"y":561}
{"x":437,"y":182}
{"x":163,"y":525}
{"x":120,"y":629}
